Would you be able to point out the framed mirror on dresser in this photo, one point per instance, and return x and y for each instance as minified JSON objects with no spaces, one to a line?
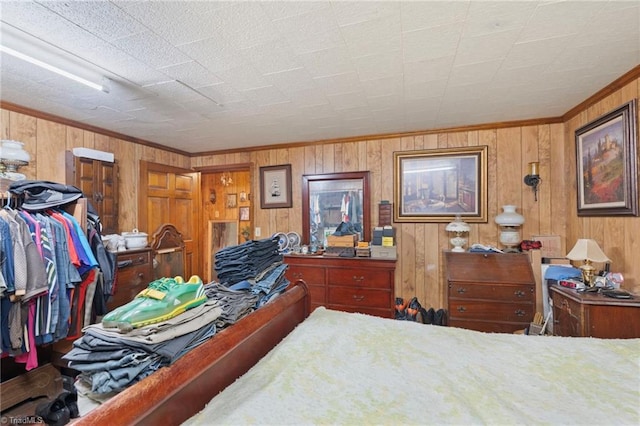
{"x":333,"y":198}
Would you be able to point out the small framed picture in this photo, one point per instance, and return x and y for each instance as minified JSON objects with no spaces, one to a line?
{"x":275,"y":186}
{"x":244,"y":197}
{"x":244,"y":213}
{"x":232,"y":200}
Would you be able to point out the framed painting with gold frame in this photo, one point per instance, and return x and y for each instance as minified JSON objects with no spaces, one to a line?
{"x":436,"y":185}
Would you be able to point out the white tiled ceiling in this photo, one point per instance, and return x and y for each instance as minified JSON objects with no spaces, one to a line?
{"x":203,"y":76}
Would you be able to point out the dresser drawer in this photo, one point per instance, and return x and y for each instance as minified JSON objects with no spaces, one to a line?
{"x":134,"y":273}
{"x":370,"y":278}
{"x":359,"y":297}
{"x":511,"y":268}
{"x":472,"y":309}
{"x":504,"y":293}
{"x":311,"y":275}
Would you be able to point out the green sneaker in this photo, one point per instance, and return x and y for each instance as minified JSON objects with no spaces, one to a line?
{"x":163,"y":299}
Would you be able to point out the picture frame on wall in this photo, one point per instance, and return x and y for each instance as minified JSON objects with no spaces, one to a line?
{"x":275,"y":186}
{"x":232,"y":201}
{"x":606,"y":164}
{"x":244,"y":213}
{"x":436,"y":185}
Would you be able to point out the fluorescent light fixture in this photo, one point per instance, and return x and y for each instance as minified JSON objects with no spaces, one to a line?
{"x":54,"y":69}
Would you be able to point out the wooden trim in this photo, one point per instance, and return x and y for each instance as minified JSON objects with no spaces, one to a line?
{"x":616,"y":85}
{"x":57,"y":119}
{"x":224,"y":168}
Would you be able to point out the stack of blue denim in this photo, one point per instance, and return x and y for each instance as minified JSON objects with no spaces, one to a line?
{"x":110,"y":361}
{"x":246,"y":261}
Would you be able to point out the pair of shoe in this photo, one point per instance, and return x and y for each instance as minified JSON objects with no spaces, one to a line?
{"x":162,"y":300}
{"x":60,"y":410}
{"x":433,"y":317}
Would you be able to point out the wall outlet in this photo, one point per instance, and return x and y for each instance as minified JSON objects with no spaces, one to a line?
{"x":257,"y":231}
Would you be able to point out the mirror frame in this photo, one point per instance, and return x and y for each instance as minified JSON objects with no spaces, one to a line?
{"x":307,"y":180}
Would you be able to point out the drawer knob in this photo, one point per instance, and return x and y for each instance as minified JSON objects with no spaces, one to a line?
{"x":358,"y":279}
{"x":519,"y":293}
{"x":358,"y":298}
{"x":462,"y":290}
{"x":140,"y":274}
{"x":519,"y":313}
{"x":461,"y":309}
{"x":297,"y":275}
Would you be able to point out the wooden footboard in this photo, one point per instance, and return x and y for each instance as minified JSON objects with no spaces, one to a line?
{"x":175,"y":393}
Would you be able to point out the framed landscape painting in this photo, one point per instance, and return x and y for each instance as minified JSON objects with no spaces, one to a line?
{"x":607,"y":174}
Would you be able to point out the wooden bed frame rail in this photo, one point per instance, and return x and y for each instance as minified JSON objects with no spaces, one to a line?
{"x":174,"y":394}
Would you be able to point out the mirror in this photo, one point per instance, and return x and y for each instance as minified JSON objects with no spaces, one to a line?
{"x":222,"y":233}
{"x":330,"y":199}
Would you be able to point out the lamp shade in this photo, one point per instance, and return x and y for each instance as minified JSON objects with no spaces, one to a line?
{"x":509,"y":217}
{"x":457,"y":226}
{"x":587,"y":249}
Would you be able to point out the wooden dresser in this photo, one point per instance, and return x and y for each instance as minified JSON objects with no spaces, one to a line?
{"x":490,"y":291}
{"x":362,"y":285}
{"x":594,"y":315}
{"x":135,"y":272}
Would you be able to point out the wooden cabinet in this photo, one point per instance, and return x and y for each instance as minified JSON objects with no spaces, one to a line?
{"x":134,"y":273}
{"x":490,"y":291}
{"x":362,"y":285}
{"x":98,"y":181}
{"x":594,"y":315}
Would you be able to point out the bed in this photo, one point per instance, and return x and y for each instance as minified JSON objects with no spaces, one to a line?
{"x":339,"y":368}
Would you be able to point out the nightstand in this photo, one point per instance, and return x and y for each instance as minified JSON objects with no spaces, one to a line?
{"x":579,"y":314}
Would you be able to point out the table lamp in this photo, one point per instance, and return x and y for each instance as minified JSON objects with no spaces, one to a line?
{"x":458,"y":227}
{"x":588,"y":251}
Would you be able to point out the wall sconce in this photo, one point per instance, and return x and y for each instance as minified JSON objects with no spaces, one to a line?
{"x":12,"y":157}
{"x":509,"y":222}
{"x":533,"y":178}
{"x":458,"y":227}
{"x":225,"y":179}
{"x":588,"y":251}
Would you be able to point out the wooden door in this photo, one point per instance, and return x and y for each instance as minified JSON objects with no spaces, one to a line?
{"x":170,"y":194}
{"x":98,"y":181}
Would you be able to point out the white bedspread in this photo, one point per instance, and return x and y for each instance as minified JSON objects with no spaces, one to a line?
{"x":339,"y":368}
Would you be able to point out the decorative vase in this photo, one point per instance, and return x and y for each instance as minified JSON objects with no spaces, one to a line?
{"x":509,"y":221}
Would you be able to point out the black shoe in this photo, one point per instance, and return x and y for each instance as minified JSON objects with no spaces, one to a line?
{"x":413,"y":308}
{"x":54,"y":413}
{"x":429,"y":316}
{"x":71,"y":401}
{"x":440,"y":317}
{"x":401,"y":309}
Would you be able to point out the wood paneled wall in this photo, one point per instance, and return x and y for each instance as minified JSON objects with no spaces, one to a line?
{"x":420,"y":269}
{"x":47,"y":142}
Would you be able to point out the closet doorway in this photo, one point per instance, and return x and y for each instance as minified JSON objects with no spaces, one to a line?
{"x":228,"y":198}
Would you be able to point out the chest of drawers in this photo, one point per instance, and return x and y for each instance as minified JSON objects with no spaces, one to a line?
{"x":134,"y":273}
{"x":492,"y":292}
{"x":362,"y":285}
{"x":594,"y":315}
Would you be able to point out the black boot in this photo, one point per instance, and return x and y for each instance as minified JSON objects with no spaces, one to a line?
{"x":401,"y":309}
{"x":413,"y":308}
